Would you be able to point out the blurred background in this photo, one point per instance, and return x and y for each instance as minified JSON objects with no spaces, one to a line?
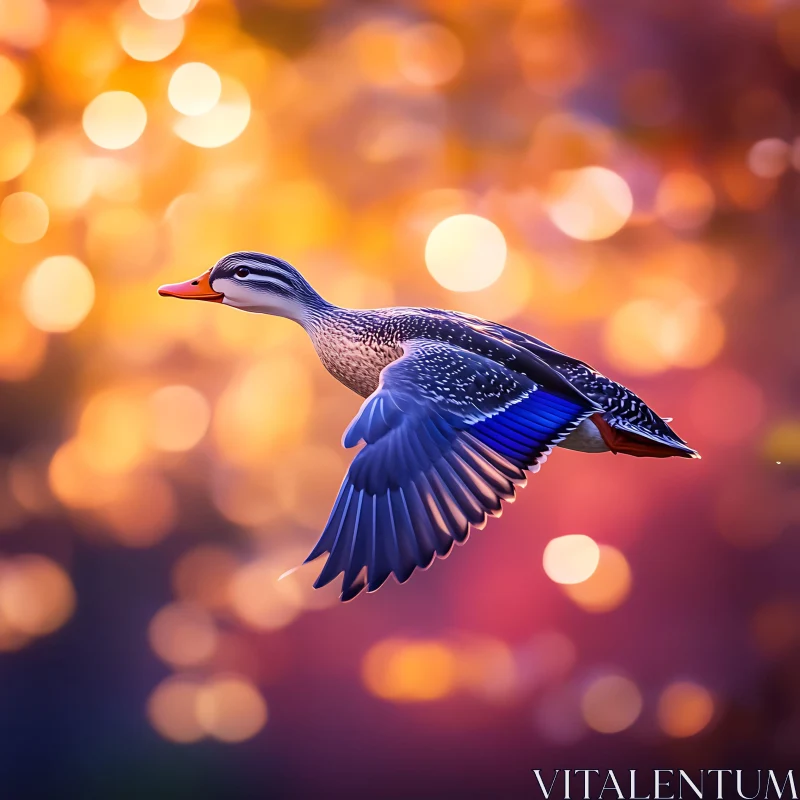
{"x":618,"y":179}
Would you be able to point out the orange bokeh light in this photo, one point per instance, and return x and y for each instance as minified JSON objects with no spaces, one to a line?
{"x":171,"y":710}
{"x":685,"y":200}
{"x":17,"y":145}
{"x":36,"y":595}
{"x":611,"y":704}
{"x":24,"y":217}
{"x":590,"y":203}
{"x":684,"y":709}
{"x":230,"y":708}
{"x":607,"y":587}
{"x":409,"y":671}
{"x":58,"y":294}
{"x":183,"y":635}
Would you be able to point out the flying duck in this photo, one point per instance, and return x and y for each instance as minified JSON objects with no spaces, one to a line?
{"x":457,"y":410}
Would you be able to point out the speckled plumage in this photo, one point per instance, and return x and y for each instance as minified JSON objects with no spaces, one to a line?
{"x":458,"y":409}
{"x":355,"y":345}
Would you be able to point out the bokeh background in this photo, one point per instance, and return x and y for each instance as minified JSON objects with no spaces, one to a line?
{"x":619,"y":179}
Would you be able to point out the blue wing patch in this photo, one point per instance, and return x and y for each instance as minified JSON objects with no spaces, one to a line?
{"x":526,"y":426}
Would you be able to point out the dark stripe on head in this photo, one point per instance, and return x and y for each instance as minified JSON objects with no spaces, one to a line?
{"x":260,"y":265}
{"x":273,"y":275}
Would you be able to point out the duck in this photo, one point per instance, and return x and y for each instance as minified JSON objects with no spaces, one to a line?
{"x":458,"y":411}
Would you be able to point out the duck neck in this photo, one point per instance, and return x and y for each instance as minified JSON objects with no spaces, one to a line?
{"x":299,"y":302}
{"x":312,"y":310}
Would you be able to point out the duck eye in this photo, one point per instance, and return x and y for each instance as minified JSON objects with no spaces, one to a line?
{"x":242,"y":272}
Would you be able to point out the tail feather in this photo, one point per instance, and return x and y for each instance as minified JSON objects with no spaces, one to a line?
{"x":634,"y":444}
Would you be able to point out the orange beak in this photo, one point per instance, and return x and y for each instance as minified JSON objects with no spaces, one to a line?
{"x":198,"y":289}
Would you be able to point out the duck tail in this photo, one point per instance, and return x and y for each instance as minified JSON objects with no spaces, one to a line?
{"x":632,"y":444}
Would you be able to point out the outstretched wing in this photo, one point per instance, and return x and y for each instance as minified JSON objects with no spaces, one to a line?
{"x":448,"y":434}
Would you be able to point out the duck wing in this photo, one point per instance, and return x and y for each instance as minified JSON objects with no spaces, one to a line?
{"x":448,"y":435}
{"x":627,"y":424}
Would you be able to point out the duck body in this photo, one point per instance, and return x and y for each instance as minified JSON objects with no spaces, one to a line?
{"x":356,"y":345}
{"x":458,"y":411}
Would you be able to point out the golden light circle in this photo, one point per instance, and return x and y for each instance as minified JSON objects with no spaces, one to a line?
{"x":282,"y":391}
{"x":183,"y":635}
{"x":374,"y":47}
{"x":178,"y":419}
{"x":231,"y":709}
{"x":611,"y":704}
{"x":409,"y":671}
{"x":465,"y":253}
{"x":59,"y":173}
{"x":769,"y":158}
{"x":74,"y":482}
{"x":649,"y":335}
{"x":165,"y":9}
{"x":684,"y":709}
{"x":24,"y":24}
{"x":685,"y":200}
{"x":24,"y":217}
{"x":194,"y":88}
{"x":36,"y":595}
{"x":570,"y":559}
{"x":263,"y":601}
{"x":171,"y":710}
{"x":607,"y":587}
{"x":631,"y":337}
{"x":224,"y":123}
{"x":17,"y":145}
{"x":112,"y":430}
{"x":11,"y":83}
{"x":134,"y":523}
{"x":58,"y":294}
{"x":115,"y":120}
{"x":146,"y":39}
{"x":590,"y":203}
{"x":429,"y":54}
{"x":690,"y":335}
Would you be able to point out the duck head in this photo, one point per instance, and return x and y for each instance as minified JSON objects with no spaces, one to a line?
{"x":252,"y":282}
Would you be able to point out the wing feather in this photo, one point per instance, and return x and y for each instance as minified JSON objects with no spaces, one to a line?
{"x":449,"y":434}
